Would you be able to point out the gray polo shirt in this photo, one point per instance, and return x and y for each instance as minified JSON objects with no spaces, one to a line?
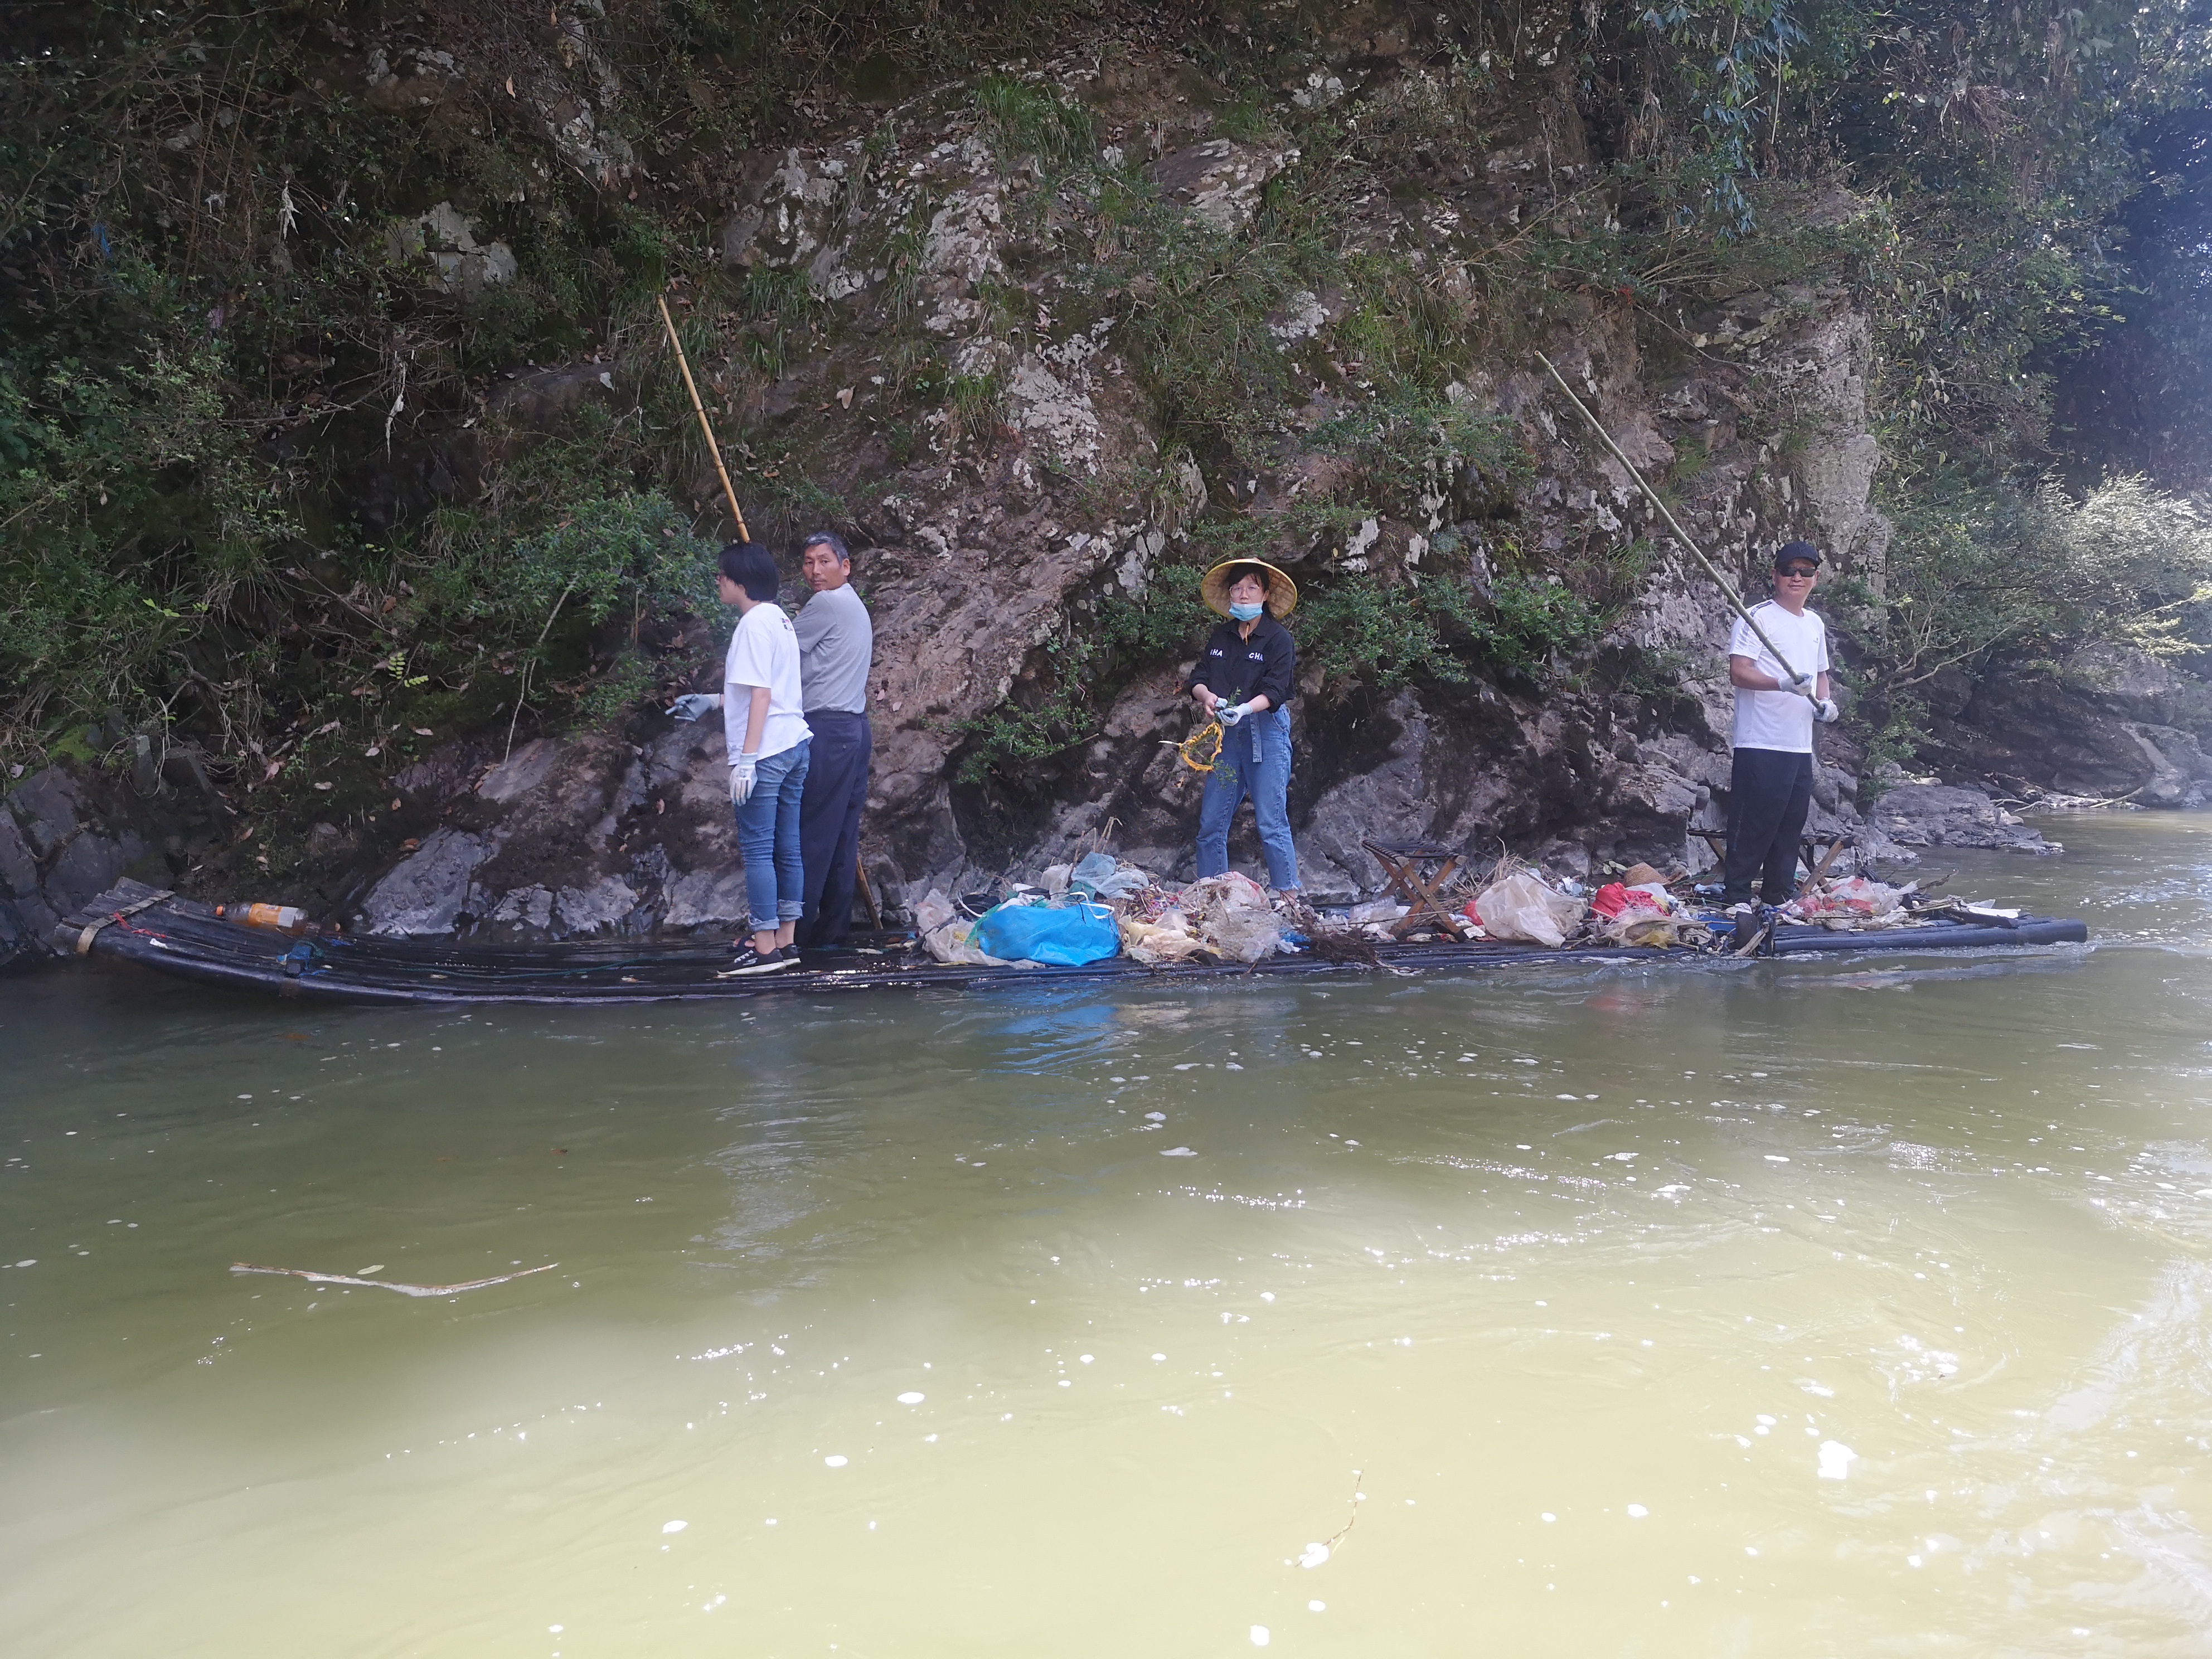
{"x":836,"y":642}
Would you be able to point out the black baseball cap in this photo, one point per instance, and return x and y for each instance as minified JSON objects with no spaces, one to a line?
{"x":1789,"y":552}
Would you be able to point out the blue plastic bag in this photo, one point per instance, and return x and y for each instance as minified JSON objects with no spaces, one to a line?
{"x":1067,"y":937}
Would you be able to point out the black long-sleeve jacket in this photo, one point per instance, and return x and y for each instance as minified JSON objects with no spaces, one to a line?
{"x":1237,"y":669}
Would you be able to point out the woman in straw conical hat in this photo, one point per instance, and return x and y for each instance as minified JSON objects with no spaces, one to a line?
{"x":1245,"y":678}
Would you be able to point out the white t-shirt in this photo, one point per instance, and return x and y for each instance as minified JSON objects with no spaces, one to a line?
{"x":763,"y":650}
{"x":1778,"y":720}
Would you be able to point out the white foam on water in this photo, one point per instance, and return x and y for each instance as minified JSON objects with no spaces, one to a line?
{"x":1155,"y":1117}
{"x":911,"y":1398}
{"x":1836,"y":1460}
{"x":1636,"y":1511}
{"x":836,"y":1461}
{"x":1178,"y":1151}
{"x":1316,"y":1606}
{"x":1260,"y":1637}
{"x":1776,"y":1158}
{"x":674,"y":1526}
{"x":1313,"y":1555}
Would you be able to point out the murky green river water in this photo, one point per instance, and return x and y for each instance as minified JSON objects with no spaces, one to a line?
{"x":1813,"y":1308}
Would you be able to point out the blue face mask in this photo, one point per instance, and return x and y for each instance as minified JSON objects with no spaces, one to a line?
{"x":1245,"y":612}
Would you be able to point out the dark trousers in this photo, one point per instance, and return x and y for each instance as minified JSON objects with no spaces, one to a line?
{"x":1770,"y":792}
{"x":829,"y":824}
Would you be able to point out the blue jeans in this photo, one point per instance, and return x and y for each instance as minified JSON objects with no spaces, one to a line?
{"x":767,"y":835}
{"x":1265,"y":777}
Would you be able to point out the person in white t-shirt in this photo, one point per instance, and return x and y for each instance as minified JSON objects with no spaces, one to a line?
{"x":767,"y":741}
{"x":1771,"y":785}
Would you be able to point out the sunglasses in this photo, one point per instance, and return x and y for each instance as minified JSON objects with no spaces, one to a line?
{"x":1800,"y":573}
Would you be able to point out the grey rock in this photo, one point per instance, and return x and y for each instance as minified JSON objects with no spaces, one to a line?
{"x":2180,"y":770}
{"x":19,"y":870}
{"x":522,"y":771}
{"x":87,"y":867}
{"x":605,"y":903}
{"x":1220,"y":180}
{"x":447,"y":237}
{"x":541,"y":397}
{"x":668,"y":757}
{"x":427,"y":892}
{"x":527,"y":907}
{"x":46,"y":802}
{"x":1392,"y":800}
{"x":21,"y":941}
{"x":2091,"y":726}
{"x":630,"y":794}
{"x":700,"y":896}
{"x":1922,"y":815}
{"x":792,"y":216}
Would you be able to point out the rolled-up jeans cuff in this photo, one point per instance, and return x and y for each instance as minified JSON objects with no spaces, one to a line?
{"x":789,"y":909}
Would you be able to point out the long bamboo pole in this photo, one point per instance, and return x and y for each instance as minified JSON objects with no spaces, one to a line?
{"x":1727,"y":588}
{"x":714,"y":448}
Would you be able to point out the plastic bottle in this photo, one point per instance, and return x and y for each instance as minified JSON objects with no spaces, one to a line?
{"x":281,"y":917}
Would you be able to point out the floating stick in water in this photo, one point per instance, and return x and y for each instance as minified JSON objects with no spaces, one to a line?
{"x":387,"y":1284}
{"x":1315,"y":1555}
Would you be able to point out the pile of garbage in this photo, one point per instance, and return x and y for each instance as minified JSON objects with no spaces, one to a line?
{"x":1852,"y":901}
{"x":1099,"y":907}
{"x":1517,"y":903}
{"x":1857,"y":905}
{"x":1227,"y":918}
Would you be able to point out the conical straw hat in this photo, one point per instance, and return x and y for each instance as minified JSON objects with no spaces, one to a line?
{"x":1282,"y":592}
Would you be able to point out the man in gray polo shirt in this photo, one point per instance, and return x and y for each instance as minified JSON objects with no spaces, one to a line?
{"x":836,"y":642}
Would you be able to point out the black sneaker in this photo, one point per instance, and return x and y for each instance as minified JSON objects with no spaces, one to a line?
{"x":750,"y":961}
{"x":791,"y":956}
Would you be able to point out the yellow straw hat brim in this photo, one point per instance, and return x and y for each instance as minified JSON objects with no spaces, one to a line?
{"x":1282,"y":592}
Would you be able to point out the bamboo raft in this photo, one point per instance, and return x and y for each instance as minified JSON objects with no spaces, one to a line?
{"x":133,"y":923}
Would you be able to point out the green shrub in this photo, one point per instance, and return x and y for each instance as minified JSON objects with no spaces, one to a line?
{"x":1977,"y":569}
{"x":1027,"y":120}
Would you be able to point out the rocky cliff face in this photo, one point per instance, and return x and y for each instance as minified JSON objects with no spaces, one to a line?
{"x":988,"y":554}
{"x":960,"y":363}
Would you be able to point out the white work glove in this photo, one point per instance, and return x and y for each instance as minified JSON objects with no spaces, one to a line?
{"x":1802,"y":683}
{"x":741,"y":779}
{"x":1230,"y":714}
{"x":1825,"y":711}
{"x":692,"y":705}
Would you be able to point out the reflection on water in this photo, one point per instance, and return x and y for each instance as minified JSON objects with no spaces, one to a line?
{"x":1856,"y":1306}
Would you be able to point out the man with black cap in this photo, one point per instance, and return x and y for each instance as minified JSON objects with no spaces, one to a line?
{"x":1780,"y":688}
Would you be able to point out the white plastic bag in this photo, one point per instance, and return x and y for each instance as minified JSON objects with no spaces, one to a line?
{"x":1231,"y":915}
{"x":1382,"y":910}
{"x":1245,"y":935}
{"x":950,"y":943}
{"x":1167,"y":939}
{"x":1522,"y":907}
{"x":933,"y":912}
